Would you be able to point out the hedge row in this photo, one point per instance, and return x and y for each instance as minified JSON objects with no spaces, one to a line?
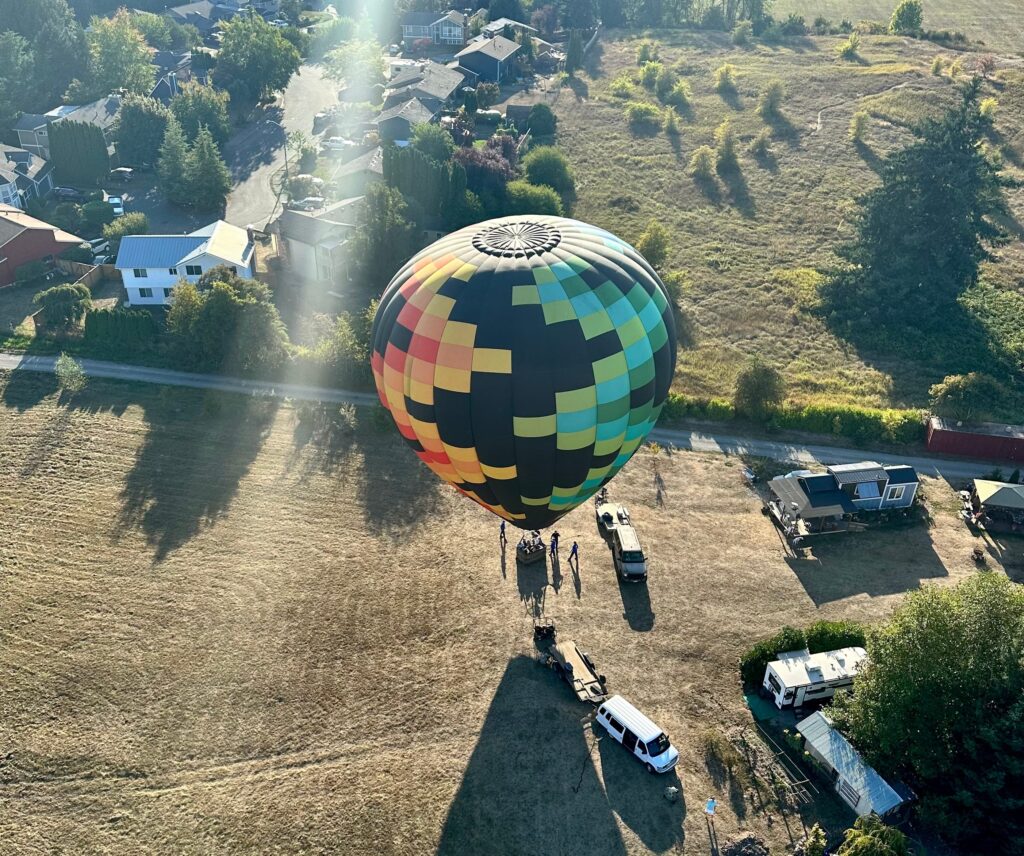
{"x":820,"y":636}
{"x":120,"y":326}
{"x":862,"y":424}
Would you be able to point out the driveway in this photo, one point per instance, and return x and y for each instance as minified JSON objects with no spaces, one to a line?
{"x":255,"y":155}
{"x":948,"y":468}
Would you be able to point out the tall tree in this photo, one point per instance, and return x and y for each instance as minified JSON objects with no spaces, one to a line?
{"x":142,"y":124}
{"x":197,"y":106}
{"x":79,"y":153}
{"x":208,"y":178}
{"x":255,"y":60}
{"x":16,"y":67}
{"x":58,"y":45}
{"x":922,"y":234}
{"x":942,"y":703}
{"x":384,"y":237}
{"x":574,"y":52}
{"x":506,"y":9}
{"x":579,"y":14}
{"x":118,"y":59}
{"x":173,"y":163}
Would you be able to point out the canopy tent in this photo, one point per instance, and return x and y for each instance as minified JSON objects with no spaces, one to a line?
{"x":999,"y":494}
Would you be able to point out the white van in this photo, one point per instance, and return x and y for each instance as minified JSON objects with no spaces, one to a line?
{"x":638,"y":734}
{"x":628,"y":555}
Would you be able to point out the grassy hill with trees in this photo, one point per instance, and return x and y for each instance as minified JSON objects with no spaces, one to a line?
{"x":755,"y":171}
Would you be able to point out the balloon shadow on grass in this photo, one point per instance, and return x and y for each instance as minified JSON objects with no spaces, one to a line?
{"x":531,"y":785}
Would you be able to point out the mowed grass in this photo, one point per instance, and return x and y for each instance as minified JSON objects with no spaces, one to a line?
{"x":223,"y":633}
{"x":746,"y":243}
{"x":997,"y":23}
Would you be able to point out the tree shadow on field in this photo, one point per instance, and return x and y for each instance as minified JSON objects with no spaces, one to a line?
{"x":868,"y":155}
{"x":26,"y":389}
{"x":732,"y":98}
{"x":877,"y":563}
{"x":637,"y":797}
{"x":783,"y":128}
{"x":592,"y":63}
{"x":579,"y":88}
{"x":531,"y":785}
{"x":186,"y":473}
{"x":739,"y":193}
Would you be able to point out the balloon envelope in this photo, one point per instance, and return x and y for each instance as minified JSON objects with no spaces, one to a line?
{"x":525,"y":360}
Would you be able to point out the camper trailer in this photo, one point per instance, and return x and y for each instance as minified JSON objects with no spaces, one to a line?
{"x":798,"y":678}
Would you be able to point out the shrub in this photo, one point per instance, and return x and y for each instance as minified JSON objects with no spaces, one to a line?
{"x":682,"y":406}
{"x":968,"y":396}
{"x":542,"y":121}
{"x":67,"y":216}
{"x":679,"y":96}
{"x":794,"y":25}
{"x":671,"y":121}
{"x":525,"y":198}
{"x":622,"y":86}
{"x":986,"y":65}
{"x":647,"y":52}
{"x":64,"y":305}
{"x":939,"y":64}
{"x":97,"y":213}
{"x":861,"y":424}
{"x":725,"y":79}
{"x":119,"y":327}
{"x":820,"y":636}
{"x":664,"y":84}
{"x":133,"y":223}
{"x":956,"y":68}
{"x":759,"y":390}
{"x":549,"y":166}
{"x":640,"y":114}
{"x":649,"y":73}
{"x":69,"y":373}
{"x":771,"y":99}
{"x":859,"y":126}
{"x":702,"y":163}
{"x":816,"y":841}
{"x":30,"y":271}
{"x":988,"y":108}
{"x":849,"y":48}
{"x":742,"y":33}
{"x":822,"y":26}
{"x":653,"y":244}
{"x":81,"y":253}
{"x":487,"y":94}
{"x":907,"y":18}
{"x":726,"y":157}
{"x":761,"y":146}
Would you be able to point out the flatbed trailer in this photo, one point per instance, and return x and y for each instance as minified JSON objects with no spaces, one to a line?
{"x":578,"y":671}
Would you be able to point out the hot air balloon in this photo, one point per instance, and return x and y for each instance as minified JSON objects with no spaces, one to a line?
{"x":525,"y":360}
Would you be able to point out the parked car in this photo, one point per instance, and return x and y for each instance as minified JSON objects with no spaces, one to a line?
{"x":318,"y":183}
{"x":338,"y":144}
{"x":99,"y":247}
{"x":628,"y":726}
{"x":117,"y":203}
{"x":310,"y":203}
{"x":123,"y":174}
{"x":279,"y":24}
{"x":68,"y":194}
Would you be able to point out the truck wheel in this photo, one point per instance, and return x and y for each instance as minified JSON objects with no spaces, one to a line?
{"x":650,"y":769}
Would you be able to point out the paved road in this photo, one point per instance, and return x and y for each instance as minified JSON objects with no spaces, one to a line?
{"x":697,"y":441}
{"x":256,"y":154}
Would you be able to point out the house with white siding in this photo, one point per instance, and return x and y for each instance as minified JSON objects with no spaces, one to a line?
{"x":152,"y":265}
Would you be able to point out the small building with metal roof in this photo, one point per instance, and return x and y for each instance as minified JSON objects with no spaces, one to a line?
{"x":858,"y":784}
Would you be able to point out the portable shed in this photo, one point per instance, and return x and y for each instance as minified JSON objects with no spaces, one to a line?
{"x":797,"y":678}
{"x":859,"y":785}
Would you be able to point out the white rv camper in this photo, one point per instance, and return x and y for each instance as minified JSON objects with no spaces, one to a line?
{"x":800,"y":677}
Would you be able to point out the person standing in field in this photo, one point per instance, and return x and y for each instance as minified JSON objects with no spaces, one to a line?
{"x":574,"y":553}
{"x":554,"y":544}
{"x":709,"y":810}
{"x":501,"y":536}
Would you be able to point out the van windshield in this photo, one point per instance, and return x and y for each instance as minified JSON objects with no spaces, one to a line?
{"x":658,"y":745}
{"x":632,"y":555}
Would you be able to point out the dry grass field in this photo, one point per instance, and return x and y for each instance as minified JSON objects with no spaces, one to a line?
{"x":221,"y":632}
{"x":750,"y":246}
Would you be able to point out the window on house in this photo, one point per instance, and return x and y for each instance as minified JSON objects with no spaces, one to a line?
{"x":145,"y":292}
{"x":233,"y":269}
{"x":140,"y":273}
{"x":167,"y":292}
{"x":193,"y":270}
{"x":172,"y":271}
{"x":896,"y":493}
{"x":868,"y":490}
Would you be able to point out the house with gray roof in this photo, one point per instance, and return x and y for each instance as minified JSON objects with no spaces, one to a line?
{"x":32,"y":175}
{"x":352,"y":178}
{"x":33,"y":130}
{"x":450,"y":28}
{"x":397,"y":123}
{"x":499,"y":25}
{"x":492,"y":59}
{"x":313,"y":244}
{"x":433,"y":83}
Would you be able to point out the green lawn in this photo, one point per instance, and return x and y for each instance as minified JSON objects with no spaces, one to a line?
{"x":746,"y":245}
{"x":997,"y":23}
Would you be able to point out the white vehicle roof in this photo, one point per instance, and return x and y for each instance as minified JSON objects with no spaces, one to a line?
{"x":801,"y":668}
{"x":628,"y":539}
{"x":632,"y":718}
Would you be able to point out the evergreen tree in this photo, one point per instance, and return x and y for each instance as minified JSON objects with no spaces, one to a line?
{"x":79,"y":153}
{"x":208,"y":178}
{"x":16,"y":67}
{"x":197,"y":106}
{"x":142,"y":124}
{"x":384,"y":237}
{"x":173,"y":163}
{"x":574,"y":52}
{"x":922,"y":234}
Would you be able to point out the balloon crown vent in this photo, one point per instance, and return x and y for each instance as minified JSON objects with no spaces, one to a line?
{"x":517,"y":240}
